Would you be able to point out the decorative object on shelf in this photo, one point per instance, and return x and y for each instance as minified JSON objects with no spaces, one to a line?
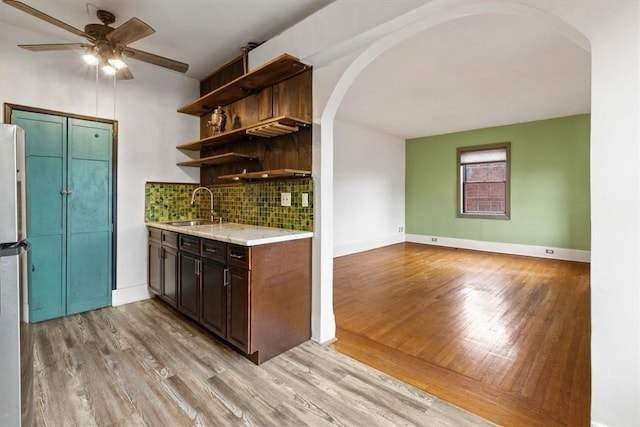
{"x":218,"y":121}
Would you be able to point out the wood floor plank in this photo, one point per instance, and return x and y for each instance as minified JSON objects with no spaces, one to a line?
{"x":145,"y":365}
{"x":497,"y":329}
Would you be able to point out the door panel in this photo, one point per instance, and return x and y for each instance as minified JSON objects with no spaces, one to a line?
{"x":89,"y":216}
{"x":45,"y":145}
{"x":214,"y":297}
{"x":47,"y":289}
{"x":188,"y":285}
{"x":170,"y":276}
{"x":45,"y":202}
{"x":239,"y":297}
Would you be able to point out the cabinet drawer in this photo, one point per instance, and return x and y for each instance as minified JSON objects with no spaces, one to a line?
{"x":215,"y":250}
{"x":190,"y":244}
{"x":154,"y":234}
{"x":239,"y":256}
{"x":169,"y":238}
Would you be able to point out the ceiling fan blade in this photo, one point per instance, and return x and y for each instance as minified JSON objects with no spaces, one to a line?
{"x":53,"y":46}
{"x":124,"y":74}
{"x":161,"y":61}
{"x":50,"y":19}
{"x":132,"y":30}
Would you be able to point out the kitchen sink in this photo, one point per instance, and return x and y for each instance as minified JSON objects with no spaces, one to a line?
{"x":189,"y":223}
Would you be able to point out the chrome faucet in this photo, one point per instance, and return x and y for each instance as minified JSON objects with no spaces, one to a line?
{"x":193,"y":200}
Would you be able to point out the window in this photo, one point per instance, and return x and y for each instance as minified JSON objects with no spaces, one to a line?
{"x":483,"y":181}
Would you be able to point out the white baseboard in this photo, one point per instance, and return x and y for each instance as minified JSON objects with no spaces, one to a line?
{"x":122,"y":296}
{"x":368,"y":245}
{"x":597,"y":424}
{"x":505,"y":248}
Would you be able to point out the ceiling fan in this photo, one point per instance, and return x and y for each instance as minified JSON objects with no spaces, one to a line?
{"x":108,"y":45}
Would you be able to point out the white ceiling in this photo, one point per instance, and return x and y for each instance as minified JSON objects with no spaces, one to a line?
{"x":471,"y":73}
{"x":202,"y":33}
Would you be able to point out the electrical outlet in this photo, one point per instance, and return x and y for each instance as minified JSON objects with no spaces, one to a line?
{"x":400,"y":229}
{"x":305,"y":200}
{"x":549,"y":251}
{"x":434,"y":239}
{"x":285,"y":199}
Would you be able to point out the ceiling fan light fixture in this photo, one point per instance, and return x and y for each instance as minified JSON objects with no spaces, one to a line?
{"x":108,"y":70}
{"x":90,"y":59}
{"x":117,"y":63}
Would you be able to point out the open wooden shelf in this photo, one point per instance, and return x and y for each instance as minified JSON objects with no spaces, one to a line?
{"x":270,"y":174}
{"x":216,"y":160}
{"x":281,"y":68}
{"x":242,"y":133}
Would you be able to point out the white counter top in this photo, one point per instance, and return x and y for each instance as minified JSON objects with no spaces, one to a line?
{"x":239,"y":234}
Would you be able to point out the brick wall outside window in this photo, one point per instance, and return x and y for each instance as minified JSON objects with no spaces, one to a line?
{"x":485,"y":188}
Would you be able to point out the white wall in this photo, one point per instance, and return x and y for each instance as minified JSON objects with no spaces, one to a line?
{"x":612,"y":30}
{"x":149,"y":129}
{"x":368,"y":189}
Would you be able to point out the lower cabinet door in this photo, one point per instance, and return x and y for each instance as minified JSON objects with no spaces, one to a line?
{"x":189,"y":284}
{"x":154,"y":267}
{"x":238,"y":329}
{"x":214,"y":297}
{"x":170,"y":276}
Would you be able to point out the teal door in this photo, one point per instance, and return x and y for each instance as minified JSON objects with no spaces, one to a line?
{"x":69,"y":214}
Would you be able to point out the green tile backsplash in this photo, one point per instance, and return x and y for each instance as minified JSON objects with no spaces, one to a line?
{"x":250,"y":203}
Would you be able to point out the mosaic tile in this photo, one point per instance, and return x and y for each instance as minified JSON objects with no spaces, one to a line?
{"x":249,"y":203}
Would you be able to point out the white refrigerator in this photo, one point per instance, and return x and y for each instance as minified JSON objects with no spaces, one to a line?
{"x":13,"y":248}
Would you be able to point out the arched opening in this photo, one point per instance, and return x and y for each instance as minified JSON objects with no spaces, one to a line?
{"x":357,"y":77}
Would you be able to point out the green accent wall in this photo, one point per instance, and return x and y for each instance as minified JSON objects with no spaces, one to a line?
{"x":550,"y":195}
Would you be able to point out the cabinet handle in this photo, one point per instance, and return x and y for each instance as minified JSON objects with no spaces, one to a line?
{"x":197,"y":265}
{"x":236,"y":256}
{"x":160,"y":254}
{"x":213,"y":251}
{"x":226,"y":276}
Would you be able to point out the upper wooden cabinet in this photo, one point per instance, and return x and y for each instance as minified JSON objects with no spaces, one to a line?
{"x":268,"y":128}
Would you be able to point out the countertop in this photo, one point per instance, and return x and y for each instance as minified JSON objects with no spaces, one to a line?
{"x":239,"y":234}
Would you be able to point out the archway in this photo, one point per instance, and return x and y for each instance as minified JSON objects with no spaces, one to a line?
{"x":360,"y":63}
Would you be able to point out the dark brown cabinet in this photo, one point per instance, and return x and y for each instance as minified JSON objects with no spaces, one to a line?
{"x":162,"y":263}
{"x":239,"y":308}
{"x":258,"y":299}
{"x":214,"y":297}
{"x":154,"y":258}
{"x":214,"y":282}
{"x":170,"y":275}
{"x":189,"y":276}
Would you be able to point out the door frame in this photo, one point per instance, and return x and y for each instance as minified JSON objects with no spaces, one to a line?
{"x":8,"y":111}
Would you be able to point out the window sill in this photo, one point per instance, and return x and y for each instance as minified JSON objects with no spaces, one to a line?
{"x":484,"y":216}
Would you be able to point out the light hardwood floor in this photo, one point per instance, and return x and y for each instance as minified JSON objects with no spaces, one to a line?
{"x":144,"y":364}
{"x":505,"y":337}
